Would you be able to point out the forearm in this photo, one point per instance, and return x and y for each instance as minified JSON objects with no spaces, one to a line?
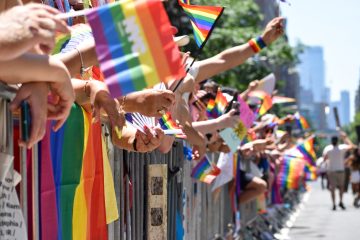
{"x":224,"y":61}
{"x":207,"y":126}
{"x":72,"y":59}
{"x":166,"y":144}
{"x":33,"y":68}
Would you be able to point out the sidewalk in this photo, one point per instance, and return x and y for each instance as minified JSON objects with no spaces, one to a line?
{"x":318,"y":221}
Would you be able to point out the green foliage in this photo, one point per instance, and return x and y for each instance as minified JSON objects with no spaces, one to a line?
{"x":240,"y":22}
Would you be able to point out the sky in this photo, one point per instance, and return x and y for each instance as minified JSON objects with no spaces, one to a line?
{"x":332,"y":24}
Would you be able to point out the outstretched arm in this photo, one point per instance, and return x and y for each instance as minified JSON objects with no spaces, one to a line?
{"x":235,"y":56}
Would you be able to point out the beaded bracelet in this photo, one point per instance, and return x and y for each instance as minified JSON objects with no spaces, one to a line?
{"x":257,"y":44}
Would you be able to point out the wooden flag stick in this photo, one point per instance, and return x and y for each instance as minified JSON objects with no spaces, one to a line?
{"x":337,"y":119}
{"x":72,"y":14}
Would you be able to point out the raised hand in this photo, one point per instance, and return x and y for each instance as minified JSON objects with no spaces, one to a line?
{"x":273,"y":30}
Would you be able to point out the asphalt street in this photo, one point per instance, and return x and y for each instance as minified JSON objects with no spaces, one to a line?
{"x":316,"y":220}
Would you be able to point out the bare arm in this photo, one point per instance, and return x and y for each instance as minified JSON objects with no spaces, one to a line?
{"x":32,"y":67}
{"x":235,"y":56}
{"x":72,"y":59}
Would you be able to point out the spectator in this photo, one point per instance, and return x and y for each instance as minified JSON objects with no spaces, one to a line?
{"x":353,"y":161}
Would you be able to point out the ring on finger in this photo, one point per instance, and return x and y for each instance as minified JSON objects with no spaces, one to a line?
{"x":162,"y":112}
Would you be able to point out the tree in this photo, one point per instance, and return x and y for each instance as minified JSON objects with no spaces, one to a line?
{"x":240,"y":22}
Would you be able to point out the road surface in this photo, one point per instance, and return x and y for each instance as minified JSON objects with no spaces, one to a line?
{"x":316,"y":220}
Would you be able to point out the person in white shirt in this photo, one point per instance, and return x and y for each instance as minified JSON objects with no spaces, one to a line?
{"x":334,"y":155}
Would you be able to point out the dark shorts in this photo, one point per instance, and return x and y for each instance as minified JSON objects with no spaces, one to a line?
{"x":245,"y":178}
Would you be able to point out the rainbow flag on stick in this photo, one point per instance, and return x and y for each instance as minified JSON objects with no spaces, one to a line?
{"x":264,"y":98}
{"x":301,"y":121}
{"x":290,"y":172}
{"x":205,"y":171}
{"x":307,"y":150}
{"x":203,"y":20}
{"x":167,"y":123}
{"x":134,"y":45}
{"x":216,"y":108}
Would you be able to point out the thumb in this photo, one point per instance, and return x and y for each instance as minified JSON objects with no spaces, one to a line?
{"x":15,"y":104}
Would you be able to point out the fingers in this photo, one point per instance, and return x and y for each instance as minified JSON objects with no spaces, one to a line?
{"x":169,"y":95}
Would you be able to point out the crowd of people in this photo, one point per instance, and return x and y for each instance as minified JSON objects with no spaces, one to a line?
{"x":52,"y":83}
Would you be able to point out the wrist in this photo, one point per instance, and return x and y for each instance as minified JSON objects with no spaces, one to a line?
{"x":257,"y":44}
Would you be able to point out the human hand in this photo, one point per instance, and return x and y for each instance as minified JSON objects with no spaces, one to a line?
{"x":273,"y":30}
{"x":198,"y":151}
{"x":150,"y":140}
{"x":149,"y":102}
{"x":33,"y":25}
{"x":36,"y":94}
{"x":62,"y":97}
{"x":229,"y":119}
{"x":253,"y":85}
{"x":100,"y":99}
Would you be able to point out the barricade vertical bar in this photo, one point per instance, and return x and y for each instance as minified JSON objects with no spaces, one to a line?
{"x":35,"y":206}
{"x":23,"y":184}
{"x":122,"y":193}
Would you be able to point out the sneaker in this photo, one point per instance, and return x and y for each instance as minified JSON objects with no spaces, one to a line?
{"x":334,"y":208}
{"x":342,"y":206}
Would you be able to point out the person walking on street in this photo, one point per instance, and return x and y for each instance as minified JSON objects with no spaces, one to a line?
{"x":353,"y":161}
{"x":334,"y":155}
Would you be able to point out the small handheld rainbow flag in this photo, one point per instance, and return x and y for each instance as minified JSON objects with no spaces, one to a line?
{"x":134,"y":45}
{"x":265,"y":99}
{"x":205,"y":171}
{"x":203,"y":20}
{"x":301,"y":121}
{"x":216,"y":108}
{"x":307,"y":150}
{"x":69,"y":41}
{"x":290,"y":171}
{"x":167,"y":123}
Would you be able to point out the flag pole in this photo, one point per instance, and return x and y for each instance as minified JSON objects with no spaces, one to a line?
{"x":72,"y":14}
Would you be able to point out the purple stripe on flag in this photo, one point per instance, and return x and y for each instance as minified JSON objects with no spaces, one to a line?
{"x":102,"y":49}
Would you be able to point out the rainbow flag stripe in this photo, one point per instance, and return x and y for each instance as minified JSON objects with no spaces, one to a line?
{"x":72,"y":191}
{"x":290,"y":172}
{"x":266,"y":101}
{"x":203,"y":20}
{"x":310,"y":172}
{"x":67,"y":42}
{"x":166,"y":122}
{"x":308,"y":151}
{"x":205,"y":171}
{"x":301,"y":121}
{"x":216,"y":108}
{"x":134,"y":45}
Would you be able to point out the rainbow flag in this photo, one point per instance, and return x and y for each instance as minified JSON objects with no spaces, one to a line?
{"x":216,"y":108}
{"x":265,"y":99}
{"x":134,"y":45}
{"x":205,"y":171}
{"x":66,"y":42}
{"x":291,"y":169}
{"x":307,"y":150}
{"x":166,"y":122}
{"x":203,"y":20}
{"x":310,"y":172}
{"x":301,"y":121}
{"x":73,"y":203}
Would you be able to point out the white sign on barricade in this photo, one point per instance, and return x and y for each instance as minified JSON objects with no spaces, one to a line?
{"x":12,"y":223}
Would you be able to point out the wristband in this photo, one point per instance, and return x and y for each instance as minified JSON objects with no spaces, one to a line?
{"x":257,"y":44}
